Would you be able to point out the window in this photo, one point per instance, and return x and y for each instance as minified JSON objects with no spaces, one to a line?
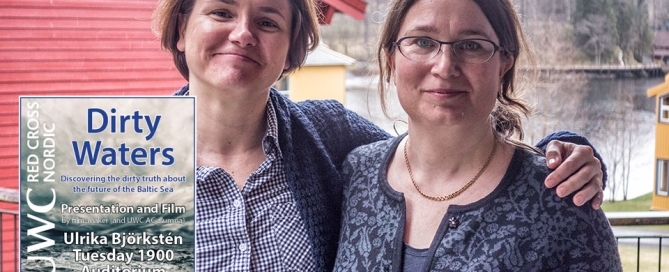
{"x":283,"y":86}
{"x":662,"y":177}
{"x":664,"y":109}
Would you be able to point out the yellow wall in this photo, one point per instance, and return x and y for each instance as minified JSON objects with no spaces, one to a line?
{"x":661,"y":147}
{"x":660,"y":203}
{"x":318,"y":82}
{"x":661,"y":139}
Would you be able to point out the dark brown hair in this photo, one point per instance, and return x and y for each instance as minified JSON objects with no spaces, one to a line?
{"x":170,"y":14}
{"x":506,"y":24}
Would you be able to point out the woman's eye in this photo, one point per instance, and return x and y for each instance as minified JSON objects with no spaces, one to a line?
{"x":222,"y":14}
{"x":268,"y":24}
{"x":423,"y":42}
{"x":469,"y":45}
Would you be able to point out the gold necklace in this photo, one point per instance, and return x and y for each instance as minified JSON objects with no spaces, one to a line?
{"x":456,"y":193}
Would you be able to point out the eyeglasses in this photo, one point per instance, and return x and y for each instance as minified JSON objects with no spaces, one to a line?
{"x":419,"y":48}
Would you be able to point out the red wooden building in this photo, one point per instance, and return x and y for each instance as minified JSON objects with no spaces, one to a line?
{"x":82,"y":47}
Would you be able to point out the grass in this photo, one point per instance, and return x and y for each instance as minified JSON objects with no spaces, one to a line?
{"x":648,"y":257}
{"x":638,"y":204}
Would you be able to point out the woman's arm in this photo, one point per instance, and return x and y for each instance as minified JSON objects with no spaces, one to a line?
{"x":340,"y":129}
{"x":576,"y":163}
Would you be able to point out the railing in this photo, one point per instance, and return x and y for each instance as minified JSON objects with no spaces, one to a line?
{"x":9,"y":224}
{"x":641,"y":70}
{"x":9,"y":237}
{"x":641,"y":256}
{"x":648,"y":242}
{"x":601,"y":67}
{"x":9,"y":230}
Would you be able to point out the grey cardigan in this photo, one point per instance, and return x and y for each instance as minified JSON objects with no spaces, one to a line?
{"x":315,"y":137}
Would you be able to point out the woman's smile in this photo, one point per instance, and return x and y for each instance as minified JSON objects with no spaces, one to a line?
{"x":445,"y":93}
{"x":237,"y":56}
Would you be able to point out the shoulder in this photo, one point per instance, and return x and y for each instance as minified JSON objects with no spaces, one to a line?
{"x":366,"y":165}
{"x":316,"y":112}
{"x":531,"y":159}
{"x":182,"y":92}
{"x":554,"y":231}
{"x":525,"y":176}
{"x":527,"y":169}
{"x":564,"y":226}
{"x":321,"y":105}
{"x":327,"y":113}
{"x":373,"y":153}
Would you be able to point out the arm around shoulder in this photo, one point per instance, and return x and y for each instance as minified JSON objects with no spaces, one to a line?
{"x":340,"y":129}
{"x":574,"y":138}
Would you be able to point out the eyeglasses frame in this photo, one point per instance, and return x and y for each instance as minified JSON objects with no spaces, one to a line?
{"x":495,"y":46}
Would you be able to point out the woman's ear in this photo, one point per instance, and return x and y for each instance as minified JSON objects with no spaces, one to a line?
{"x":507,"y":62}
{"x":389,"y":60}
{"x":181,"y":22}
{"x":391,"y":64}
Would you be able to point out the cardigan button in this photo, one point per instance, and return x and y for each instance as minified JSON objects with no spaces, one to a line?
{"x":453,"y":222}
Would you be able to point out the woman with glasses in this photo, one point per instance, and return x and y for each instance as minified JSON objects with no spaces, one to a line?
{"x":457,"y":192}
{"x":268,"y":185}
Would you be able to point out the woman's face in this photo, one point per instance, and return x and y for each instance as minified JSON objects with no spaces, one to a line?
{"x":444,"y":90}
{"x":239,"y":45}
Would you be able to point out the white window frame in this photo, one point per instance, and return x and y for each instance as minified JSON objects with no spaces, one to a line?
{"x":283,"y":85}
{"x":663,"y":109}
{"x":662,"y":177}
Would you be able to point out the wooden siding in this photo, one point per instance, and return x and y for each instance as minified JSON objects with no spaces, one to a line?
{"x":661,"y":130}
{"x":661,"y":152}
{"x":319,"y":82}
{"x":72,"y":47}
{"x":660,"y":202}
{"x":9,"y":236}
{"x":353,"y":8}
{"x":662,"y":141}
{"x":75,"y":47}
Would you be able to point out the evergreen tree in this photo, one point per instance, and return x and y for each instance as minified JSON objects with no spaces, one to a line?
{"x":595,"y":31}
{"x":642,"y":31}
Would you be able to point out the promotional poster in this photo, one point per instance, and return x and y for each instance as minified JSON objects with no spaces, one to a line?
{"x":107,"y":184}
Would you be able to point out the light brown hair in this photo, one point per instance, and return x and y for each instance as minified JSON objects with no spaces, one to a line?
{"x":170,"y":14}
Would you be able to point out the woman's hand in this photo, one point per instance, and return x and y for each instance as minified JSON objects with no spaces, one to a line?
{"x":577,"y":170}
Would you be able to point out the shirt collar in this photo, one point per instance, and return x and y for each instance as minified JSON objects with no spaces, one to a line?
{"x":270,"y":142}
{"x":272,"y":134}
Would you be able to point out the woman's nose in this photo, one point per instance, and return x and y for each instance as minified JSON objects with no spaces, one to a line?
{"x":445,"y":64}
{"x":242,"y":33}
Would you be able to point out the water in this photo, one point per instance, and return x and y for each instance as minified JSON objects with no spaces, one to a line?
{"x":598,"y":108}
{"x":640,"y":122}
{"x":600,"y":88}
